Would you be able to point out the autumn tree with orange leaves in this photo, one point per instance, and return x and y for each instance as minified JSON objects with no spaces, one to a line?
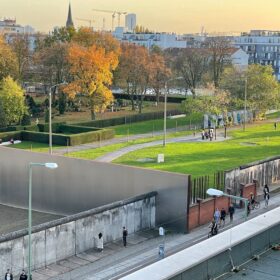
{"x":91,"y":67}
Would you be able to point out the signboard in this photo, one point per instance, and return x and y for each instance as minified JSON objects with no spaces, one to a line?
{"x":161,"y":231}
{"x":160,"y":158}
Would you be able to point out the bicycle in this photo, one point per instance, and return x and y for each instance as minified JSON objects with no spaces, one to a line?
{"x":255,"y":205}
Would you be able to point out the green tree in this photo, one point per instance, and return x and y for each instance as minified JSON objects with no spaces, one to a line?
{"x":12,"y":98}
{"x":261,"y":84}
{"x":3,"y":120}
{"x":8,"y":63}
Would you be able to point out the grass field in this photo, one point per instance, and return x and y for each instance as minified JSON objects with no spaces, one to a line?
{"x":258,"y":142}
{"x":156,"y":125}
{"x":34,"y":146}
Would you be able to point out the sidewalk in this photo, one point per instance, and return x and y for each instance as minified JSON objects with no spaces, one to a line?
{"x":116,"y":261}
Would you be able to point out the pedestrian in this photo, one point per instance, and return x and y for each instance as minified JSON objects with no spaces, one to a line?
{"x":202,"y":134}
{"x":275,"y":125}
{"x":266,"y":195}
{"x":23,"y":275}
{"x":8,"y":275}
{"x":217,"y":216}
{"x":100,"y":245}
{"x":223,"y":217}
{"x":124,"y":235}
{"x":231,"y":212}
{"x":206,"y":135}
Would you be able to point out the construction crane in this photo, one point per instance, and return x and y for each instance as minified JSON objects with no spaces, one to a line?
{"x":114,"y":13}
{"x":90,"y":21}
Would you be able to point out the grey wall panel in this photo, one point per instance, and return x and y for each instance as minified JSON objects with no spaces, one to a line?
{"x":79,"y":185}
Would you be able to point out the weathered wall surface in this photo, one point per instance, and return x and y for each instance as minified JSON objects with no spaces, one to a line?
{"x":265,"y":172}
{"x":78,"y":185}
{"x":57,"y":240}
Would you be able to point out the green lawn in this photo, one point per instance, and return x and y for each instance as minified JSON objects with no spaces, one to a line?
{"x":34,"y":146}
{"x":258,"y":142}
{"x":155,"y":125}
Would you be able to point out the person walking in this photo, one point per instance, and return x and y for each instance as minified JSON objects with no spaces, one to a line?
{"x":23,"y":275}
{"x":266,"y":195}
{"x":275,"y":125}
{"x":203,"y":134}
{"x":223,"y":217}
{"x":217,"y":216}
{"x":231,"y":212}
{"x":124,"y":236}
{"x":100,"y":245}
{"x":8,"y":275}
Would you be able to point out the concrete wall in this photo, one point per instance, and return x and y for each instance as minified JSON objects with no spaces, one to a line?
{"x":78,"y":185}
{"x":211,"y":257}
{"x":265,"y":172}
{"x":57,"y":240}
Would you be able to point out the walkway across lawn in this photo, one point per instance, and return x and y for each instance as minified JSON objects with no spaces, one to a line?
{"x":259,"y":141}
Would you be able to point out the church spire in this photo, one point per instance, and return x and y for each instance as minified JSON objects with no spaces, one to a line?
{"x":69,"y":22}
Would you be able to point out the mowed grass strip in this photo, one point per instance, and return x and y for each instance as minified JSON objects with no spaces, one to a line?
{"x":34,"y":146}
{"x":156,"y":125}
{"x":205,"y":158}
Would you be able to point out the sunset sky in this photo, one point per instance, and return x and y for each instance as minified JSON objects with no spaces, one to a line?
{"x":179,"y":16}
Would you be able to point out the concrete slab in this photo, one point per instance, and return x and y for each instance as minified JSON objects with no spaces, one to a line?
{"x":78,"y":260}
{"x":47,"y":272}
{"x":59,"y":268}
{"x":38,"y":276}
{"x":135,"y":239}
{"x":69,"y":264}
{"x":88,"y":257}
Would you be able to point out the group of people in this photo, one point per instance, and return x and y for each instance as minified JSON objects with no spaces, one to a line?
{"x":207,"y":134}
{"x":219,"y":216}
{"x":100,"y":245}
{"x":219,"y":219}
{"x":9,"y":275}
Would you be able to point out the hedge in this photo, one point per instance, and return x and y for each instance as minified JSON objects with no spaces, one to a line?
{"x":87,"y":137}
{"x":7,"y":136}
{"x":71,"y":140}
{"x":19,"y":128}
{"x":74,"y":129}
{"x":45,"y":127}
{"x":43,"y":137}
{"x":128,"y":119}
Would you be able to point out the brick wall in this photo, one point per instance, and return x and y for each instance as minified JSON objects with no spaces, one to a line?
{"x":202,"y":213}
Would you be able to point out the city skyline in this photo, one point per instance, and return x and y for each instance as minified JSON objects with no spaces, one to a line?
{"x":182,"y":16}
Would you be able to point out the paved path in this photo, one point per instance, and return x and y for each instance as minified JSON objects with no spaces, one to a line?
{"x":116,"y":154}
{"x":116,"y":140}
{"x":116,"y":261}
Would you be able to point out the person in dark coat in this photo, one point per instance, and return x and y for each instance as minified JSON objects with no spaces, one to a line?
{"x":23,"y":275}
{"x":231,"y":212}
{"x":124,"y":234}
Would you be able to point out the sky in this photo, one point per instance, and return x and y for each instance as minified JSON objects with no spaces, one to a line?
{"x":180,"y":16}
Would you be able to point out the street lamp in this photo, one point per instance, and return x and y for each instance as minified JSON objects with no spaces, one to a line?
{"x":215,"y":192}
{"x":50,"y":165}
{"x":50,"y":115}
{"x":165,"y":107}
{"x":245,"y":103}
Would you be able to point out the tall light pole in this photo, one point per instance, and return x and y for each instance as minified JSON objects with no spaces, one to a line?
{"x":50,"y":165}
{"x":165,"y":107}
{"x":245,"y":103}
{"x":50,"y":115}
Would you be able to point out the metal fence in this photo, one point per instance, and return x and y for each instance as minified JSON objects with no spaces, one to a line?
{"x":200,"y":185}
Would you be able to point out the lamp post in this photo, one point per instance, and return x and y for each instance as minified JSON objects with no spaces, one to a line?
{"x":50,"y":165}
{"x":165,"y":107}
{"x":50,"y":115}
{"x":215,"y":192}
{"x":245,"y":103}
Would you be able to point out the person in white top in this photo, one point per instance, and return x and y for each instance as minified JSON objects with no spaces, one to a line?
{"x":100,"y":245}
